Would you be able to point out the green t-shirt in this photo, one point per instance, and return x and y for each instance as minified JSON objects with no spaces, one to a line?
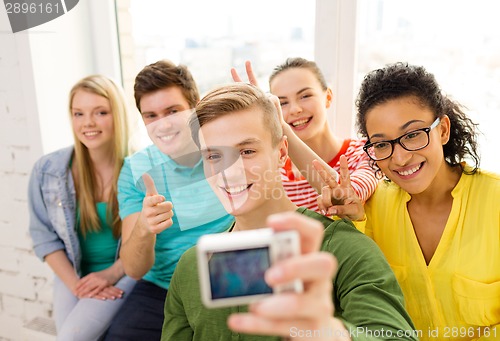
{"x":366,"y":294}
{"x":98,"y":248}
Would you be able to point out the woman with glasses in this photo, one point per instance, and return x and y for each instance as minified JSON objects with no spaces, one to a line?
{"x":437,"y":215}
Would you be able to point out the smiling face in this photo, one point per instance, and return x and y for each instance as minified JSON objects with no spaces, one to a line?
{"x":303,"y":101}
{"x":92,"y":120}
{"x":413,"y":171}
{"x":166,"y":113}
{"x":241,"y":164}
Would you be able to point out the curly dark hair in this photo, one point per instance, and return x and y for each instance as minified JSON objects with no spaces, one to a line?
{"x":401,"y":79}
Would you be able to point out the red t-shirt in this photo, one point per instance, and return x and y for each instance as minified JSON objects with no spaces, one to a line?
{"x":362,"y":176}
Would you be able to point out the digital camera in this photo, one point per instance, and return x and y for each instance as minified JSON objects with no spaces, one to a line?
{"x":232,"y":265}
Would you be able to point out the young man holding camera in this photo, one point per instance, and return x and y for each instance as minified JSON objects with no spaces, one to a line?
{"x":243,"y":147}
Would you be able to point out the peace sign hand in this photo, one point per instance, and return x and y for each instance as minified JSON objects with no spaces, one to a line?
{"x":253,"y":80}
{"x":338,"y":198}
{"x":251,"y":76}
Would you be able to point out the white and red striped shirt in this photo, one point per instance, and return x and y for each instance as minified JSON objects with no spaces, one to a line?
{"x":363,"y":178}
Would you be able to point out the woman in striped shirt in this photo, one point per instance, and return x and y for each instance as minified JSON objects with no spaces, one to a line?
{"x":305,"y":97}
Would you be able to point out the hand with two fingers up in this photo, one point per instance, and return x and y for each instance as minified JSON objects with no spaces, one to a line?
{"x":156,"y":215}
{"x":252,"y":79}
{"x":338,"y":198}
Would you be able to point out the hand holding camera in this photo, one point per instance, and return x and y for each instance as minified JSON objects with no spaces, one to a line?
{"x":232,"y":265}
{"x":289,"y":313}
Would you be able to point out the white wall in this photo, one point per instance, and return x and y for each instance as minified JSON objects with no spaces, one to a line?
{"x":37,"y":69}
{"x":335,"y":53}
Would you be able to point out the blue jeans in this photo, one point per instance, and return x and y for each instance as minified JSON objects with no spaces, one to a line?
{"x":142,"y":317}
{"x":85,"y":319}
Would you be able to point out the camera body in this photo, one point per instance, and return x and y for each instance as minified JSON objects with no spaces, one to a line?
{"x":231,"y":266}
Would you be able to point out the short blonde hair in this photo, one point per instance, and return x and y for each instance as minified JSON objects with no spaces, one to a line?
{"x":232,"y":98}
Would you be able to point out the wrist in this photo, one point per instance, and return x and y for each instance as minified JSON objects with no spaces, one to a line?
{"x":72,"y":285}
{"x":360,"y":219}
{"x":142,"y":227}
{"x":116,"y":276}
{"x":118,"y":272}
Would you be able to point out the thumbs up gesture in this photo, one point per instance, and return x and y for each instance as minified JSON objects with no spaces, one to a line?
{"x":156,"y":214}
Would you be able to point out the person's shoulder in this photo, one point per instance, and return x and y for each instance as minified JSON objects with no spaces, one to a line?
{"x":185,"y":273}
{"x":486,"y":183}
{"x":488,"y":177}
{"x":188,"y":258}
{"x":341,"y":230}
{"x":60,"y":154}
{"x":55,"y":161}
{"x":340,"y":234}
{"x":350,"y":246}
{"x":326,"y":221}
{"x":343,"y":226}
{"x":142,"y":161}
{"x":188,"y":262}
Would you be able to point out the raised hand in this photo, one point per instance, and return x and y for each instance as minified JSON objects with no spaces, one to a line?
{"x":253,"y":80}
{"x":156,"y":212}
{"x":251,"y":76}
{"x":313,"y":309}
{"x":338,"y":198}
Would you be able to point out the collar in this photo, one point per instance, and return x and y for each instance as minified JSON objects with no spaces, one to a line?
{"x":151,"y":158}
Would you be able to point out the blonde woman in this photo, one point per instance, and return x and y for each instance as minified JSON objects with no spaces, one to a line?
{"x":74,"y":220}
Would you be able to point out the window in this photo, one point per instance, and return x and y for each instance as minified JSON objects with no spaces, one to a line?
{"x":459,"y":42}
{"x":211,"y":37}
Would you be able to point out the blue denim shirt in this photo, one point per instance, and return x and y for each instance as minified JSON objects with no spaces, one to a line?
{"x":52,"y":207}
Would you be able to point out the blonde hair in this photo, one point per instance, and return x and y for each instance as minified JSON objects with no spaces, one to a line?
{"x":85,"y":183}
{"x":231,"y":98}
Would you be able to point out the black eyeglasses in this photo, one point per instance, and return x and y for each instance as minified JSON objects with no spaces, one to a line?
{"x":411,"y":141}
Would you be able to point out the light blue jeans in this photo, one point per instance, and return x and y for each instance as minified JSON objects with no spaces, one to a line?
{"x":85,"y":319}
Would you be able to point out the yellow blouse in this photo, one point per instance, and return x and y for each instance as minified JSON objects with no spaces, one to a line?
{"x":456,"y":296}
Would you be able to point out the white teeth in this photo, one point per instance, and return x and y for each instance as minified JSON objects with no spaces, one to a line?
{"x":91,"y":133}
{"x":300,"y":122}
{"x":409,"y":171}
{"x":236,"y":189}
{"x":167,"y":137}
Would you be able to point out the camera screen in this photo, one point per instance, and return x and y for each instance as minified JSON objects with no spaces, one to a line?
{"x":238,"y":273}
